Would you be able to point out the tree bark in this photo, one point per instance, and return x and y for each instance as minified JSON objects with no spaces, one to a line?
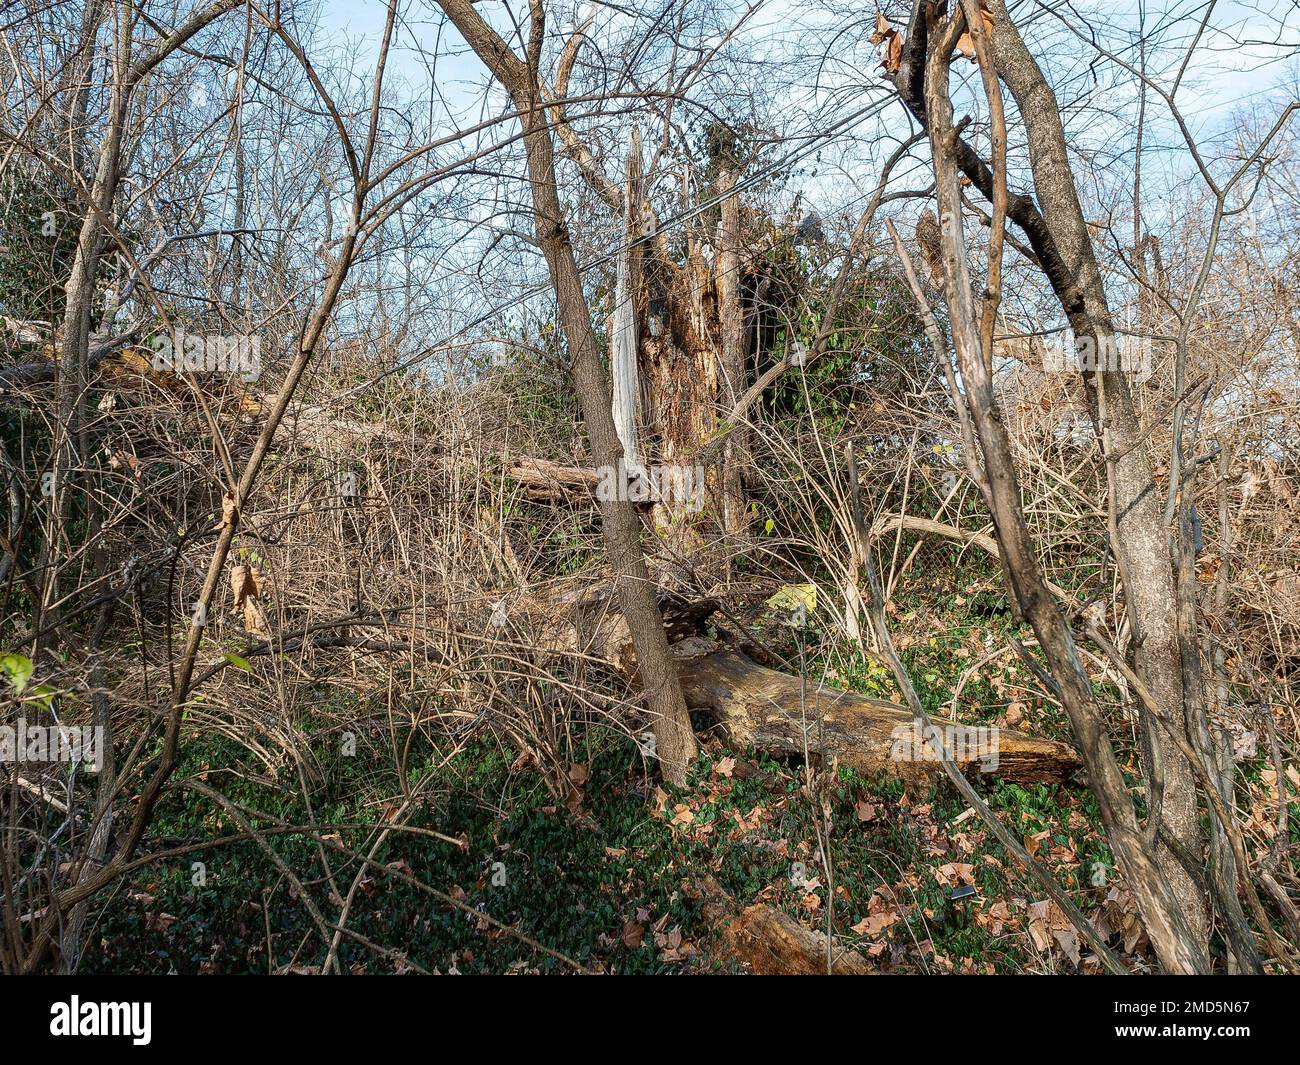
{"x":624,"y":365}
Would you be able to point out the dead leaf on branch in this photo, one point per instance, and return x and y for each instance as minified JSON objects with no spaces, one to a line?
{"x":1250,"y":484}
{"x":119,"y":459}
{"x":885,"y":34}
{"x":1207,"y":568}
{"x":228,"y":508}
{"x":246,"y":583}
{"x":883,"y":29}
{"x":965,"y":43}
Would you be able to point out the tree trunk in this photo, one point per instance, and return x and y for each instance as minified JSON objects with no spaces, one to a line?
{"x":1141,"y":538}
{"x":731,"y":316}
{"x":674,"y":740}
{"x":923,"y":82}
{"x":680,"y":354}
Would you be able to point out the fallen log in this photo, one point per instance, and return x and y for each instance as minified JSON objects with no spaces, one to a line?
{"x":546,"y":481}
{"x":762,"y":708}
{"x":775,"y":712}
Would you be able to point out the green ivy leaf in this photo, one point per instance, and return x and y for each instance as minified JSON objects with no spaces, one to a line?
{"x":18,"y":668}
{"x":44,"y":694}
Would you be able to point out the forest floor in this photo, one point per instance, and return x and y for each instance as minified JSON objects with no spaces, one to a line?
{"x":607,"y":877}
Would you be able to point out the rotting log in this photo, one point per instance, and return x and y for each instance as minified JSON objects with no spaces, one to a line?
{"x":546,"y":481}
{"x":772,"y":943}
{"x":775,"y":712}
{"x":771,"y":711}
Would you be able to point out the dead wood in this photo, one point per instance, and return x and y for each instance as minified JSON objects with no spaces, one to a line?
{"x":768,"y":942}
{"x":776,"y":712}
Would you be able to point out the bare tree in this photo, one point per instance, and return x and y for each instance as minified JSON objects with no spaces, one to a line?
{"x":1162,"y":857}
{"x":675,"y":742}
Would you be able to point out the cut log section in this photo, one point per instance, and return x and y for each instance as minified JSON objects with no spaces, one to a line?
{"x":768,"y":942}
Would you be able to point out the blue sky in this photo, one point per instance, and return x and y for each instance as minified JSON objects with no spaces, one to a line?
{"x":1223,"y":79}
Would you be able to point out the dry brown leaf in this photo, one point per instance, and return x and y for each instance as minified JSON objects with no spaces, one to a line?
{"x":1207,"y":568}
{"x":246,"y":583}
{"x":876,"y":923}
{"x":1039,"y":925}
{"x":118,"y":459}
{"x":1032,"y":843}
{"x":1249,"y":485}
{"x":1048,"y":924}
{"x":633,"y":933}
{"x":893,"y":54}
{"x":892,"y":40}
{"x":228,"y":508}
{"x":954,"y":873}
{"x":255,"y":619}
{"x":883,"y":28}
{"x":1068,"y":940}
{"x":965,"y":43}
